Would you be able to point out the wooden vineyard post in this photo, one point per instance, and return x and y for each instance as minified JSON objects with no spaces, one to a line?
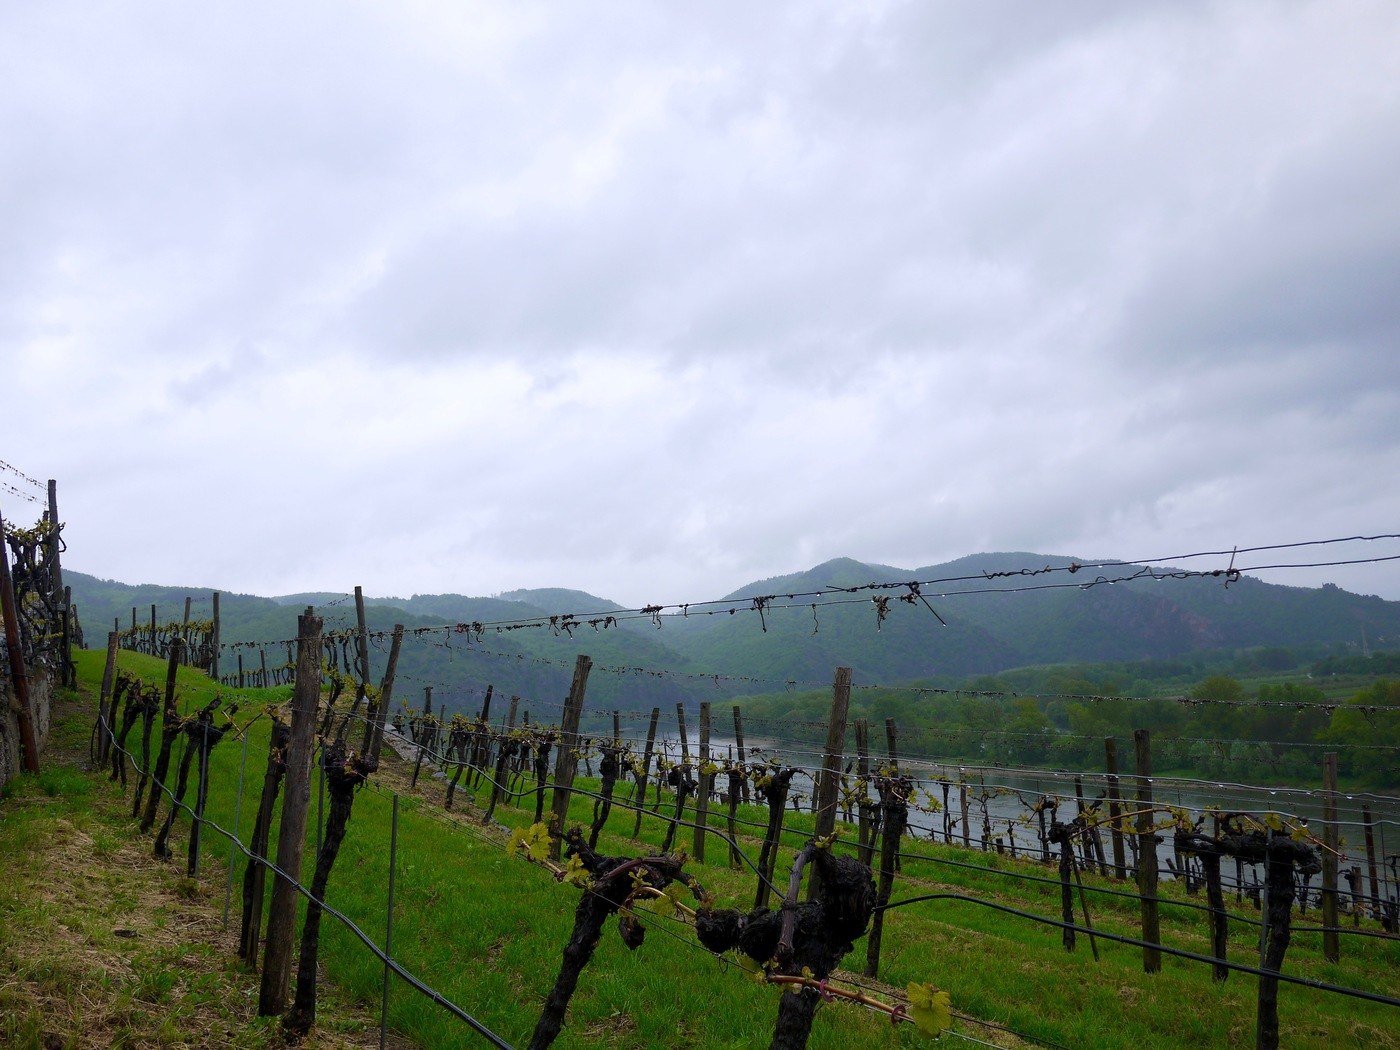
{"x":894,"y":815}
{"x":361,"y":658}
{"x":1373,"y":883}
{"x":685,"y":737}
{"x":828,"y":789}
{"x":374,"y":732}
{"x":107,"y":714}
{"x":70,"y":615}
{"x":646,"y":766}
{"x":739,"y":743}
{"x":1331,"y":948}
{"x":1147,"y":854}
{"x":566,"y":761}
{"x":737,"y":782}
{"x":642,"y":776}
{"x":291,"y":840}
{"x":684,"y":785}
{"x":1063,"y":836}
{"x":62,"y":596}
{"x":1115,"y":811}
{"x":962,"y":806}
{"x":214,"y":646}
{"x":865,"y":845}
{"x":19,"y":677}
{"x":54,"y":544}
{"x":707,"y":778}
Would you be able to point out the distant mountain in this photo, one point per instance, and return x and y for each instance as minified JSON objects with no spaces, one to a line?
{"x":998,"y":611}
{"x":1003,"y":610}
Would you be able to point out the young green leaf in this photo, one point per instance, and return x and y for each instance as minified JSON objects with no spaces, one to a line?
{"x":929,"y":1008}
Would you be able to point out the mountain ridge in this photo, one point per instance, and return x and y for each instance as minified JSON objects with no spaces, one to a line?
{"x":991,"y":612}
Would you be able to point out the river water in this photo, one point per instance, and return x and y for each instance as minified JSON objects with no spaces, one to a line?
{"x":1004,"y":798}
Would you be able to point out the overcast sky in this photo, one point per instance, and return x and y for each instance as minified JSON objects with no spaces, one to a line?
{"x":653,"y":300}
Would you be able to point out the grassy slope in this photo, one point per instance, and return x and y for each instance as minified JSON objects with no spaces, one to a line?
{"x":486,"y":930}
{"x":102,"y":946}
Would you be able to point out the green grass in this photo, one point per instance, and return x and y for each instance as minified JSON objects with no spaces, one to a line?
{"x":486,"y":930}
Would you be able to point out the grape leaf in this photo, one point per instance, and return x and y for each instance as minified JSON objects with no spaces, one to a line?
{"x":929,"y":1008}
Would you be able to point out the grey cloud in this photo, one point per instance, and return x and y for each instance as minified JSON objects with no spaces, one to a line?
{"x":710,"y":292}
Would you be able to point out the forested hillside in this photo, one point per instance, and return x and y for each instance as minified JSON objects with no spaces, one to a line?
{"x":985,"y":615}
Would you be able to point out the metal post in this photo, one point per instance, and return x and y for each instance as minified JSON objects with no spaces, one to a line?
{"x":237,"y":815}
{"x":389,"y":927}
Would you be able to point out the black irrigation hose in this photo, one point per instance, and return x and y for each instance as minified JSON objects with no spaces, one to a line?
{"x":1307,"y":982}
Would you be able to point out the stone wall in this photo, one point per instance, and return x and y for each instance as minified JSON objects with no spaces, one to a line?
{"x":41,"y":710}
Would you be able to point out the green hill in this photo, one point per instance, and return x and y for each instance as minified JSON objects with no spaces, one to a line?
{"x":985,"y":614}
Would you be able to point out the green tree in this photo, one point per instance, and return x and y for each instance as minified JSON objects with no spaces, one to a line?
{"x":1366,"y":731}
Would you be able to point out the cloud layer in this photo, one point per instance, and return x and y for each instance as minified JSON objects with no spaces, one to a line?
{"x":652,"y":301}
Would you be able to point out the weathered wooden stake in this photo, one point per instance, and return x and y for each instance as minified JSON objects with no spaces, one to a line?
{"x":566,"y":761}
{"x":1331,"y":947}
{"x":291,"y":841}
{"x":894,"y":817}
{"x":828,"y":788}
{"x":1115,"y":829}
{"x":739,"y":743}
{"x":646,"y":766}
{"x":374,"y":731}
{"x":962,"y":806}
{"x":107,"y":706}
{"x":866,"y":845}
{"x":707,"y":779}
{"x":361,"y":653}
{"x":214,"y":647}
{"x":1147,"y":853}
{"x":1062,"y":835}
{"x":1371,"y":879}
